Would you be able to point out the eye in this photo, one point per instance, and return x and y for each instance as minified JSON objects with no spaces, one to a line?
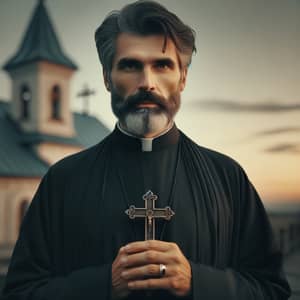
{"x":164,"y":64}
{"x":129,"y":65}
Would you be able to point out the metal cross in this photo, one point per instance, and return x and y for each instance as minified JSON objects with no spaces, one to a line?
{"x":150,"y":213}
{"x":85,"y":94}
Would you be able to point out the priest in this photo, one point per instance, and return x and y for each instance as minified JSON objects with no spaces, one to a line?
{"x":146,"y":213}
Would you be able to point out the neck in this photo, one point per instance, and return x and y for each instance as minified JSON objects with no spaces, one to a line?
{"x":150,"y":135}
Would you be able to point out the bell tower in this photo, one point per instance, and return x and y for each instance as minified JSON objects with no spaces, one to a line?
{"x":40,"y":72}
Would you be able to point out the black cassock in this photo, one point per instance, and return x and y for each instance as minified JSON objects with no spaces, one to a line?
{"x":77,"y":223}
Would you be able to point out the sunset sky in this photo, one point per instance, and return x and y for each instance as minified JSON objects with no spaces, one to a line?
{"x":243,"y":92}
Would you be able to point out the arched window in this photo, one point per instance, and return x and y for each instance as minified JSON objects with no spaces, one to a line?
{"x":22,"y":210}
{"x":25,"y":99}
{"x":56,"y":103}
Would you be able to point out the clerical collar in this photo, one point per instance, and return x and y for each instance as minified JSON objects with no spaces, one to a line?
{"x":131,"y":142}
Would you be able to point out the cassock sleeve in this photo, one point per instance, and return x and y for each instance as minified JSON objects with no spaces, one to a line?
{"x":31,"y":273}
{"x":256,"y":273}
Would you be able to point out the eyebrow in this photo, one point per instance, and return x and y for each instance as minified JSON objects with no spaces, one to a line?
{"x":129,"y":61}
{"x":123,"y":62}
{"x":167,"y":61}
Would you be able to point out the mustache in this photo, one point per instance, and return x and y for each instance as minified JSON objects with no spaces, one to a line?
{"x":143,"y":96}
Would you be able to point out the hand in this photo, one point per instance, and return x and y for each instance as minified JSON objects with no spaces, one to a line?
{"x":140,"y":267}
{"x":119,"y":283}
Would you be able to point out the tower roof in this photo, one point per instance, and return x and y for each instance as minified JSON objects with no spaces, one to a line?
{"x":40,"y":42}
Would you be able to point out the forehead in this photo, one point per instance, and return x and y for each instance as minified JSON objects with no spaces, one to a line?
{"x":144,"y":48}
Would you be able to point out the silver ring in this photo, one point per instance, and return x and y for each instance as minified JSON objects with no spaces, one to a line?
{"x":162,"y":270}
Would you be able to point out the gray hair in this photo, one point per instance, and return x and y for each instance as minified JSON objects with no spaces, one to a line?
{"x":143,"y":18}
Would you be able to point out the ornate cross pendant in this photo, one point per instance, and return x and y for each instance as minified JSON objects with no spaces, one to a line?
{"x":150,"y":213}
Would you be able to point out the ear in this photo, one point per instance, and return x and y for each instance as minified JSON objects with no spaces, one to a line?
{"x":106,"y":80}
{"x":183,"y":79}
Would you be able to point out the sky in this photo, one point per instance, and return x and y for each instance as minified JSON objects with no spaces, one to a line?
{"x":243,"y":89}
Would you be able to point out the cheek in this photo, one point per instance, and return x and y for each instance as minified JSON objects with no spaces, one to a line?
{"x":124,"y":84}
{"x":171,"y":84}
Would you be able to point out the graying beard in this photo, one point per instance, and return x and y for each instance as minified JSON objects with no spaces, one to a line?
{"x":145,"y":121}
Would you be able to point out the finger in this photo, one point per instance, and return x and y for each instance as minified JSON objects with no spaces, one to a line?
{"x":121,"y":257}
{"x":143,"y":272}
{"x":146,"y":258}
{"x":141,"y":246}
{"x":150,"y":284}
{"x":122,"y":250}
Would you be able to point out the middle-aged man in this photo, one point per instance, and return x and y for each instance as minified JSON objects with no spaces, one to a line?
{"x":209,"y":238}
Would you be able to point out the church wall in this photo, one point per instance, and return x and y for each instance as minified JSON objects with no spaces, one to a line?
{"x":49,"y":76}
{"x":51,"y":152}
{"x":40,"y":78}
{"x":26,"y":75}
{"x":3,"y":214}
{"x":13,"y":191}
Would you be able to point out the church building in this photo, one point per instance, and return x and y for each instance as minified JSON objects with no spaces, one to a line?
{"x":37,"y":126}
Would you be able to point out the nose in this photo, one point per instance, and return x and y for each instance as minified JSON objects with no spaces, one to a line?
{"x":146,"y":82}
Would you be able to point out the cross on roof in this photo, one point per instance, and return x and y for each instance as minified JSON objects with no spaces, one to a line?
{"x":85,"y":94}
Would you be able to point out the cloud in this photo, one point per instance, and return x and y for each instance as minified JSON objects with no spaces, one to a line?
{"x":287,"y":147}
{"x":284,"y":148}
{"x":234,"y":106}
{"x":277,"y":131}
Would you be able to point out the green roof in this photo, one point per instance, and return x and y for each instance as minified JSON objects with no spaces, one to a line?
{"x":16,"y":160}
{"x":40,"y":43}
{"x":16,"y":147}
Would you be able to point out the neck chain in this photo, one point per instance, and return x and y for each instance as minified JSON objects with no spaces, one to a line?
{"x":171,"y":194}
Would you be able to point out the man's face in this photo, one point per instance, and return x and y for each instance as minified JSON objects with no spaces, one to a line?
{"x":145,"y":83}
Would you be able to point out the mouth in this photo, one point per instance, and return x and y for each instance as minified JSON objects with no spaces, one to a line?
{"x":146,"y":105}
